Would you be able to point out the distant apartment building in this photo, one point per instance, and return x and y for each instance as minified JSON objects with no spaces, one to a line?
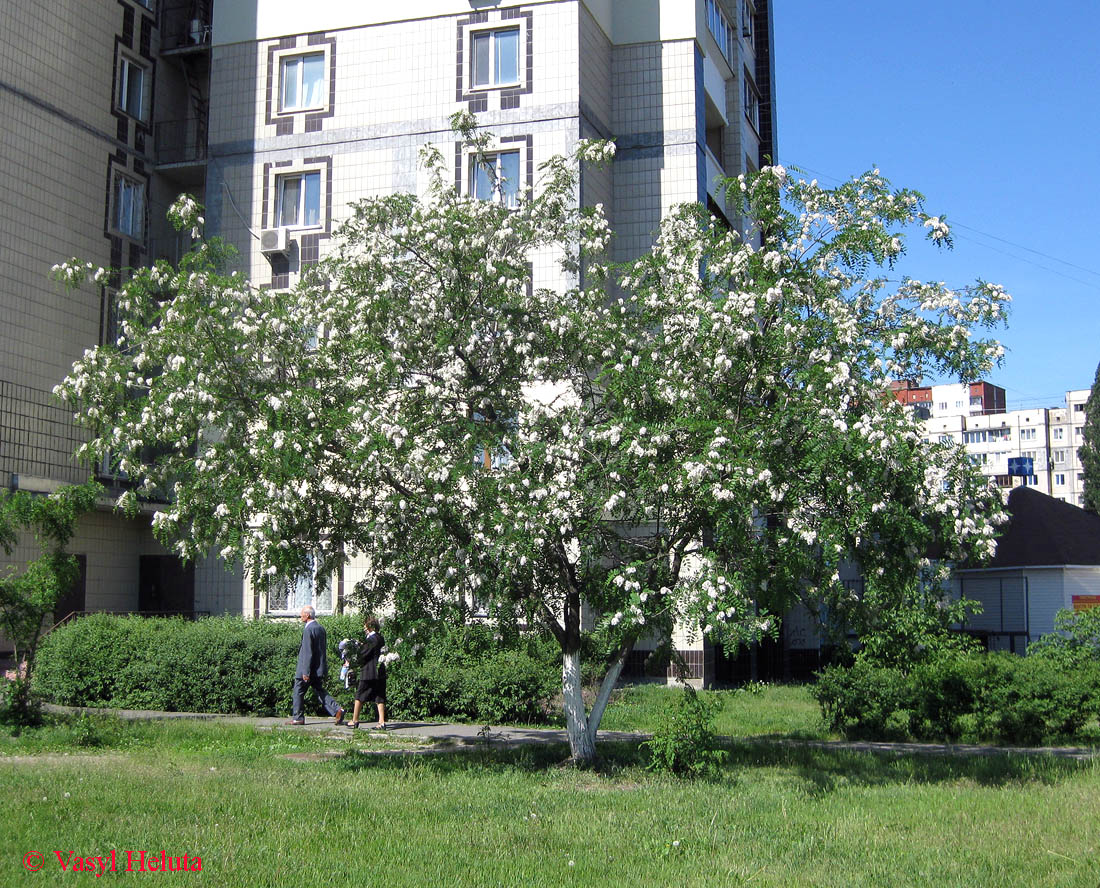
{"x":973,"y":415}
{"x":953,"y":399}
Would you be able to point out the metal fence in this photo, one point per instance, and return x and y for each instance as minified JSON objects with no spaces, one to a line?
{"x":38,"y":435}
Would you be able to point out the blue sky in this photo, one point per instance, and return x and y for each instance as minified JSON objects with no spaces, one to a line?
{"x":992,"y":111}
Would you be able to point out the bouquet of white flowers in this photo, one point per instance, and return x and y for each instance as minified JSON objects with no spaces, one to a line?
{"x":349,"y":651}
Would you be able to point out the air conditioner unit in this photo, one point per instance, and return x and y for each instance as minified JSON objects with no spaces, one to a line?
{"x":273,"y":241}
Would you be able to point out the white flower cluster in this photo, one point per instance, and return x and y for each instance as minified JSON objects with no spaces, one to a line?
{"x":185,"y":212}
{"x":74,"y":272}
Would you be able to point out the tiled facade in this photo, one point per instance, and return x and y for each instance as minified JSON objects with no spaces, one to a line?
{"x":105,"y":97}
{"x":102,"y":103}
{"x":652,"y":76}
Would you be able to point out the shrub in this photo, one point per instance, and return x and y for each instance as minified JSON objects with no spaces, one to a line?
{"x":686,"y":745}
{"x":998,"y":697}
{"x":1027,"y":701}
{"x":228,"y":664}
{"x":217,"y":664}
{"x":1074,"y":641}
{"x":861,"y":701}
{"x":941,"y":696}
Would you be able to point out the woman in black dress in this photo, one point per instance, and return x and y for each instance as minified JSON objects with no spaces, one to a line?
{"x":372,"y":675}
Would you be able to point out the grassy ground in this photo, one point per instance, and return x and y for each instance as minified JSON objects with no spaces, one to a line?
{"x":777,"y":816}
{"x":755,"y":710}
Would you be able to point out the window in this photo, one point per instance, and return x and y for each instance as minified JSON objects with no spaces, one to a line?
{"x":291,"y":594}
{"x":128,"y":213}
{"x":302,"y":82}
{"x":496,"y":177}
{"x":974,"y":437}
{"x":752,"y":106}
{"x":1031,"y":481}
{"x":494,"y":57}
{"x":298,"y":200}
{"x":1060,"y":480}
{"x":131,"y":88}
{"x":1058,"y":434}
{"x":747,"y":13}
{"x":1078,"y":432}
{"x":1027,"y":434}
{"x":945,"y":439}
{"x":943,"y":405}
{"x":1078,"y":408}
{"x":1059,"y":456}
{"x":721,"y":30}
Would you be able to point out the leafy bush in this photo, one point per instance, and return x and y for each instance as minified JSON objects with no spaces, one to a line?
{"x":217,"y":664}
{"x":686,"y":745}
{"x":861,"y":701}
{"x":466,"y":672}
{"x":997,"y":697}
{"x":941,"y":696}
{"x":228,"y":664}
{"x":1075,"y":639}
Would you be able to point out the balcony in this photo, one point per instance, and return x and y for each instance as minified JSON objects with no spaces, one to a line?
{"x":185,"y":27}
{"x":180,"y":150}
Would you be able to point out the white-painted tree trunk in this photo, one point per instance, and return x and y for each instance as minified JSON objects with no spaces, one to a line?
{"x":608,"y":685}
{"x":582,"y":743}
{"x":581,"y":726}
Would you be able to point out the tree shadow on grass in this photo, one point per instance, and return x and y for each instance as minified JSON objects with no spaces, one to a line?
{"x":822,"y":770}
{"x":825,"y":770}
{"x":615,"y":759}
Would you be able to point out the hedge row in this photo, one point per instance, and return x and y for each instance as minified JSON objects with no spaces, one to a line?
{"x":468,"y":673}
{"x":996,"y":697}
{"x":232,"y":665}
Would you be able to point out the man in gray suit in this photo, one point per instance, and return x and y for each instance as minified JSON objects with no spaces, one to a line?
{"x":312,"y":670}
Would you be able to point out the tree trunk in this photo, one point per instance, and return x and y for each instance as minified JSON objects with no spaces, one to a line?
{"x":582,"y":743}
{"x":608,"y":685}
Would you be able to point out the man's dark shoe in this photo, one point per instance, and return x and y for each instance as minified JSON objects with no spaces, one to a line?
{"x":339,"y":719}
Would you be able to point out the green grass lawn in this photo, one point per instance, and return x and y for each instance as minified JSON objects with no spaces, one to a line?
{"x":779,"y":710}
{"x":778,"y":816}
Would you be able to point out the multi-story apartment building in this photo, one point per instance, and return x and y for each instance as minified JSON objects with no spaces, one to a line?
{"x":952,"y":399}
{"x":105,"y":104}
{"x":973,"y":416}
{"x":276,"y":116}
{"x":312,"y":108}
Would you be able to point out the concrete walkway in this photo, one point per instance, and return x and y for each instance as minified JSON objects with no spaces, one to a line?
{"x":458,"y":734}
{"x":445,"y":735}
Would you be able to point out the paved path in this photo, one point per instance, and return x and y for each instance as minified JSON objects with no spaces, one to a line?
{"x":449,"y":735}
{"x":439,"y":732}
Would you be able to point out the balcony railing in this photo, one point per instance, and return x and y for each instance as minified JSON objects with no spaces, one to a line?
{"x":185,"y":25}
{"x":181,"y":141}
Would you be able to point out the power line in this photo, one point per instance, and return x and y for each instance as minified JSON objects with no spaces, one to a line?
{"x":1029,"y":249}
{"x":955,"y":224}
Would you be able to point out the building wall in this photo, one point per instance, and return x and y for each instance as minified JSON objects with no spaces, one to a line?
{"x":58,"y":138}
{"x":631,"y":71}
{"x":68,"y":135}
{"x":1051,"y":437}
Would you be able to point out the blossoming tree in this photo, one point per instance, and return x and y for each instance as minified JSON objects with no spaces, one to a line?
{"x":698,"y":437}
